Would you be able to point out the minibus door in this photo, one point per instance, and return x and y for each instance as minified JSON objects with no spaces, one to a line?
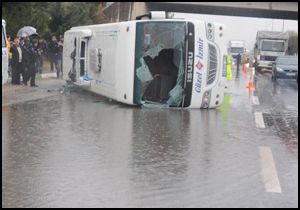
{"x":84,"y":36}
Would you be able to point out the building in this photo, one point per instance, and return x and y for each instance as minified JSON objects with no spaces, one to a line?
{"x":123,"y":11}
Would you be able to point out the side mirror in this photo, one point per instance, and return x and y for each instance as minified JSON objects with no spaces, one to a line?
{"x":153,"y":15}
{"x":158,"y":15}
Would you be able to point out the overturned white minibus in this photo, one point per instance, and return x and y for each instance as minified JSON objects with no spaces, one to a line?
{"x":159,"y":60}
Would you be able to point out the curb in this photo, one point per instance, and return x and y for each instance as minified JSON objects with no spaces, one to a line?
{"x":38,"y":76}
{"x":48,"y":75}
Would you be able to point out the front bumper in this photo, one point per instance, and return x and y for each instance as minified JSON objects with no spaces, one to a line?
{"x":265,"y":64}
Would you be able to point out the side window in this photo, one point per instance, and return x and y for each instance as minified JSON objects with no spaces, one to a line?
{"x":82,"y":50}
{"x":3,"y":38}
{"x":82,"y":57}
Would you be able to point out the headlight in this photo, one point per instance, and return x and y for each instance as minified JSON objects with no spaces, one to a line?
{"x":210,"y":31}
{"x":205,"y":99}
{"x":279,"y":69}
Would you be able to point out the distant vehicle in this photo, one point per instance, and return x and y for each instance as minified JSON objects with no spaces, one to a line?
{"x":269,"y":45}
{"x":285,"y":67}
{"x":4,"y":54}
{"x":235,"y":47}
{"x":157,"y":61}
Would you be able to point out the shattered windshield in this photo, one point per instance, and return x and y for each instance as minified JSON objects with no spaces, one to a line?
{"x":160,"y":63}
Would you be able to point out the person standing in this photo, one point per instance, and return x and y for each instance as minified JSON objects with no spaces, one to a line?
{"x":59,"y":57}
{"x":17,"y":63}
{"x":9,"y":46}
{"x":41,"y":51}
{"x":30,"y":56}
{"x":53,"y":53}
{"x":228,"y":69}
{"x":238,"y":61}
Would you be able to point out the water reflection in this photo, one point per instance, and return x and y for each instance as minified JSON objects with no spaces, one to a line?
{"x":68,"y":151}
{"x":275,"y":88}
{"x":237,"y":75}
{"x":58,"y":151}
{"x":160,"y":149}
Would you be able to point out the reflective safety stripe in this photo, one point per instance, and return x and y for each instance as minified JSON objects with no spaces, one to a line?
{"x":228,"y":69}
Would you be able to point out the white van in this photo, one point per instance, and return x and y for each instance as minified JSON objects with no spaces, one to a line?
{"x":4,"y":54}
{"x":161,"y":61}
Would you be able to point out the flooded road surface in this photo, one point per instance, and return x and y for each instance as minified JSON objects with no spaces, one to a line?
{"x":80,"y":150}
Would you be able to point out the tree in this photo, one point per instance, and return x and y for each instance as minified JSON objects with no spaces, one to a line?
{"x":50,"y":17}
{"x":19,"y":14}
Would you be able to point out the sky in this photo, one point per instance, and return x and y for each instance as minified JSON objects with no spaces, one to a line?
{"x":244,"y":28}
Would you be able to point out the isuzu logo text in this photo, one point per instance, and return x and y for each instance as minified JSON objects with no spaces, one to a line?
{"x":190,"y":66}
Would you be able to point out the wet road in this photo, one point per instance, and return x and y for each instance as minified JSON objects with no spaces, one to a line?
{"x":80,"y":150}
{"x":279,"y":105}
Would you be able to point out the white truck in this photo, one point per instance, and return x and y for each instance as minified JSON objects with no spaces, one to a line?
{"x":157,"y":61}
{"x":269,"y":45}
{"x":235,"y":47}
{"x":4,"y":54}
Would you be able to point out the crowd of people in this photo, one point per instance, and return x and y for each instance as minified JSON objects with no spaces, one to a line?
{"x":26,"y":58}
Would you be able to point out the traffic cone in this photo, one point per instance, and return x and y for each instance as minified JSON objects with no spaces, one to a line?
{"x":250,"y":84}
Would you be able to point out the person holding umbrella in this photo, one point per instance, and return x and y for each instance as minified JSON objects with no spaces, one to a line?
{"x":30,"y":54}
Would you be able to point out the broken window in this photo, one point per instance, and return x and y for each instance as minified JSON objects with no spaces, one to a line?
{"x":82,"y":58}
{"x":160,"y":63}
{"x":3,"y":38}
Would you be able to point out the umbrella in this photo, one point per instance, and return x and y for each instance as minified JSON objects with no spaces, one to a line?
{"x":26,"y":31}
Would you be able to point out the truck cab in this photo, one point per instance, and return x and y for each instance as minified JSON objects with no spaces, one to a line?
{"x":236,"y":47}
{"x":269,"y":45}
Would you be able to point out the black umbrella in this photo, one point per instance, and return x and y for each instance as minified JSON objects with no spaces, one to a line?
{"x":27,"y":31}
